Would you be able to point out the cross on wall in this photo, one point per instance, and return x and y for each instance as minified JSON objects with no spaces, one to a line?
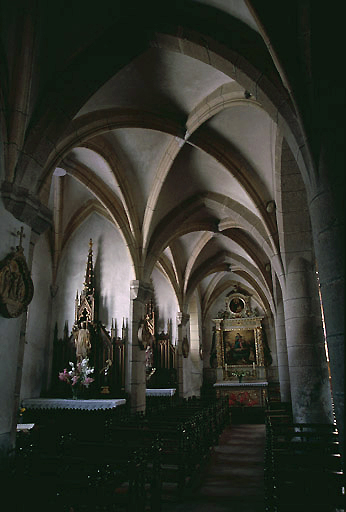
{"x":21,"y":236}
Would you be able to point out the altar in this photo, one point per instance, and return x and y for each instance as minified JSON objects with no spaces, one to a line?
{"x":65,"y":403}
{"x":243,"y":394}
{"x":58,"y":416}
{"x":161,"y":392}
{"x":240,"y":353}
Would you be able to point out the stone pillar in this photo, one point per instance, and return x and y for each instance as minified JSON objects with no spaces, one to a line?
{"x":308,"y":370}
{"x":219,"y":352}
{"x":328,"y":238}
{"x":26,"y":208}
{"x":281,"y":347}
{"x":140,"y":293}
{"x":182,"y":319}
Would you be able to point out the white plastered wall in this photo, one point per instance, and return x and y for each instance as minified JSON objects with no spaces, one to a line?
{"x":113,"y":273}
{"x":36,"y":364}
{"x":194,"y":368}
{"x":166,"y":303}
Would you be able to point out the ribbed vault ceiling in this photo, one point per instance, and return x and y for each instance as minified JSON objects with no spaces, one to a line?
{"x":180,"y":158}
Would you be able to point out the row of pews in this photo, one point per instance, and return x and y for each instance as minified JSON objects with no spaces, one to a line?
{"x":303,"y":466}
{"x":131,"y":463}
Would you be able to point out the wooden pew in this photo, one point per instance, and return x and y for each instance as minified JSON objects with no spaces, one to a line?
{"x":125,"y":463}
{"x":303,"y":468}
{"x":81,"y":476}
{"x":186,"y":431}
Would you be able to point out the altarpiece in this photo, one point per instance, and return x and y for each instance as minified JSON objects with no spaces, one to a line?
{"x":238,"y":350}
{"x":90,"y":338}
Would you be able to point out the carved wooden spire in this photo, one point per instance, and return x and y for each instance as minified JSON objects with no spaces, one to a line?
{"x":85,"y":304}
{"x":89,"y":273}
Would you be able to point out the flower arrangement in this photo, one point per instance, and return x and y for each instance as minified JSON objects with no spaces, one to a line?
{"x":241,"y":399}
{"x":240,"y":373}
{"x":78,"y":376}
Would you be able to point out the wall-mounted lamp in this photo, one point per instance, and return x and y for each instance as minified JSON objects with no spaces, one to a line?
{"x":270,"y":206}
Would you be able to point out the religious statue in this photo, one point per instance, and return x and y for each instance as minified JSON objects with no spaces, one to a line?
{"x":82,"y":342}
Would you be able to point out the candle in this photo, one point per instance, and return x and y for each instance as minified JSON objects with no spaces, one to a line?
{"x":253,"y":366}
{"x":226,"y":367}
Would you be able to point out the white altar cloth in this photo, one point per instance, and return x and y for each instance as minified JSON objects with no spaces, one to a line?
{"x":25,"y":427}
{"x":160,"y":392}
{"x":231,"y":384}
{"x":63,"y":403}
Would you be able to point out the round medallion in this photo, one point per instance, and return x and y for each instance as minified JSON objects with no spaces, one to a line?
{"x":236,"y":305}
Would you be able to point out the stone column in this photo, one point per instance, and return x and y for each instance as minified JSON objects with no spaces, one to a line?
{"x":308,"y":368}
{"x":140,"y":293}
{"x":328,"y":237}
{"x":219,"y":352}
{"x":281,"y":347}
{"x":309,"y":380}
{"x":182,"y":320}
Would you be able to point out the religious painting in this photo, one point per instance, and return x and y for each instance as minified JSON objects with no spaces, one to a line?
{"x":239,"y":347}
{"x":236,"y":305}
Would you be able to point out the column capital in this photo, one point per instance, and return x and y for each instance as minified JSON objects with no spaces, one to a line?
{"x":26,"y":207}
{"x":182,"y":318}
{"x":140,"y":290}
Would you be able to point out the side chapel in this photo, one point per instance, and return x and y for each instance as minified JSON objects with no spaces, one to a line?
{"x":105,"y":350}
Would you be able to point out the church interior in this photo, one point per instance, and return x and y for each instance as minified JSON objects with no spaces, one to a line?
{"x":172,"y":249}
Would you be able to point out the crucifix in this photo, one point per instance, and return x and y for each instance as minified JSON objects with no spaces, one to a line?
{"x":21,"y":236}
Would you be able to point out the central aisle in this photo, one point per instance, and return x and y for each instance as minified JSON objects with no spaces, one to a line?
{"x":233,"y":480}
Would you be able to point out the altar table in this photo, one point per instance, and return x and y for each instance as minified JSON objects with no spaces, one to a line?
{"x":256,"y":391}
{"x":61,"y":415}
{"x":66,"y":403}
{"x":160,"y":392}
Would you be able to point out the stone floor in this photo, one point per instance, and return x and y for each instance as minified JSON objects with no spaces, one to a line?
{"x":232,"y":481}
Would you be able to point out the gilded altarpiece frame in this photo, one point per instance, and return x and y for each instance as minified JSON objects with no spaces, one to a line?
{"x":239,"y":352}
{"x":237,"y":337}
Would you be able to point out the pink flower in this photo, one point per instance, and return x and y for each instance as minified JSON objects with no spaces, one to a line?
{"x":63,"y":376}
{"x":88,"y":381}
{"x":78,"y":374}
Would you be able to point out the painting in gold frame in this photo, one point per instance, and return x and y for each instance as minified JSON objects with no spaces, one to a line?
{"x":239,"y":347}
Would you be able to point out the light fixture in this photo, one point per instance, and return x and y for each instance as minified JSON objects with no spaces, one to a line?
{"x":270,"y":206}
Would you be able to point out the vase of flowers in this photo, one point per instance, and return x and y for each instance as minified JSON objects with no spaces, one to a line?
{"x":78,"y":377}
{"x":240,"y":374}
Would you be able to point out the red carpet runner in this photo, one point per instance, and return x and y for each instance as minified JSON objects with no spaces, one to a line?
{"x":233,"y":478}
